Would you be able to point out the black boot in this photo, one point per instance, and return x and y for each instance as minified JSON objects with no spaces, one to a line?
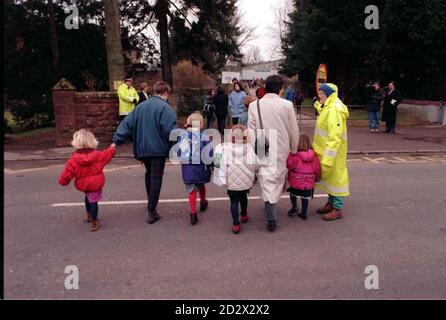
{"x":204,"y":206}
{"x":193,"y":218}
{"x":302,"y":216}
{"x":272,"y":225}
{"x":293,"y":209}
{"x":153,"y":217}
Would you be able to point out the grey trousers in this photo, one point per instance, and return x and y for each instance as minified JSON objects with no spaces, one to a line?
{"x":270,"y":210}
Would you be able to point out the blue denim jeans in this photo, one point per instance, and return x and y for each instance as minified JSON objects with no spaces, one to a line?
{"x":374,"y":119}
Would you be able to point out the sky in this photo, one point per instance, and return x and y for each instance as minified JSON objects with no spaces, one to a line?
{"x":261,"y":14}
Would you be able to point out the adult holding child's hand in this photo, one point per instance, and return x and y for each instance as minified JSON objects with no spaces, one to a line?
{"x":149,"y":126}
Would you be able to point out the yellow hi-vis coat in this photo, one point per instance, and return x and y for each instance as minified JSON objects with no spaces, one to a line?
{"x":330,"y":145}
{"x":126,"y":96}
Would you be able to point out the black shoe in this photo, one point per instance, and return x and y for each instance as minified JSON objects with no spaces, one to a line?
{"x":153,"y":217}
{"x":193,"y":219}
{"x":271,"y":226}
{"x":291,"y":211}
{"x":302,"y":216}
{"x":204,"y":206}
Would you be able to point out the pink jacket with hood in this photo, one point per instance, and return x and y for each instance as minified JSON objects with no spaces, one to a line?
{"x":303,"y":170}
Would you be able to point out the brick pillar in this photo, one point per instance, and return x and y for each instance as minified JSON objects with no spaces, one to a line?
{"x":64,"y":112}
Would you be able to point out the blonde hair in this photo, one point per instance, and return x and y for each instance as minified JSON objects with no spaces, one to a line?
{"x":238,"y":133}
{"x":84,"y":139}
{"x":194,"y":118}
{"x":304,"y":143}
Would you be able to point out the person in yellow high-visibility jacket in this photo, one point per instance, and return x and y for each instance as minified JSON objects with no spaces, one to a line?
{"x":128,"y":98}
{"x":330,"y":145}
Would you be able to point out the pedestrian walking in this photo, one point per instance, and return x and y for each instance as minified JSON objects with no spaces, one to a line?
{"x":276,"y":116}
{"x":330,"y":145}
{"x":240,"y":163}
{"x":244,"y":118}
{"x":221,"y":102}
{"x":86,"y":166}
{"x":236,"y":99}
{"x":149,"y":126}
{"x":374,"y":97}
{"x":195,"y":171}
{"x":290,"y":93}
{"x":128,"y":98}
{"x":209,"y":109}
{"x":392,"y":100}
{"x":303,"y":171}
{"x":260,"y":92}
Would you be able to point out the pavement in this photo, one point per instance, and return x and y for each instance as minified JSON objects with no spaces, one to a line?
{"x":423,"y":139}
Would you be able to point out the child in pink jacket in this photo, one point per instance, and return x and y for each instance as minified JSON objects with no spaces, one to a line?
{"x":303,"y":171}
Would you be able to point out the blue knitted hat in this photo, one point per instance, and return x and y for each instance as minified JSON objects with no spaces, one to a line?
{"x":326,"y":89}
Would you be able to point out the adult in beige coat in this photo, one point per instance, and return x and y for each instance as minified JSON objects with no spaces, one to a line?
{"x":282,"y":131}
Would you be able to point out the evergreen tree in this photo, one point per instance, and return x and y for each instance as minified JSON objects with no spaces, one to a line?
{"x":407,"y":46}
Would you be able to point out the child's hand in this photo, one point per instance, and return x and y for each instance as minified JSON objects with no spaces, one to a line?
{"x":113,"y":145}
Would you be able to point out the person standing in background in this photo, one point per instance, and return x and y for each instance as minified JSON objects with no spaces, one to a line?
{"x":221,"y":102}
{"x":374,"y":99}
{"x":144,"y":93}
{"x":236,"y":100}
{"x":391,"y":101}
{"x":128,"y":98}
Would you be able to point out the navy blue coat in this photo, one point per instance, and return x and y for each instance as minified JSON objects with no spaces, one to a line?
{"x":193,"y":168}
{"x":149,"y":125}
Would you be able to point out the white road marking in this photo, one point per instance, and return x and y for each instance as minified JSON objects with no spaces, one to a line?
{"x":79,"y":204}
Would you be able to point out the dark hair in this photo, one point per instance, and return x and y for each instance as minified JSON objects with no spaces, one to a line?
{"x":304,"y":143}
{"x":161,"y":87}
{"x":220,"y":90}
{"x":274,"y":84}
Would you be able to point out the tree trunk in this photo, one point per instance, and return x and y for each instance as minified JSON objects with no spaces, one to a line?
{"x":166,"y":61}
{"x":54,"y":40}
{"x":113,"y":45}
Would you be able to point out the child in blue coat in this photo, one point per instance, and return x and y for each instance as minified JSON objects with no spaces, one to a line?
{"x":196,"y":170}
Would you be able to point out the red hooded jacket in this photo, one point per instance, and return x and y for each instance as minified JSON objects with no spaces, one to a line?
{"x":304,"y":170}
{"x":86,"y":166}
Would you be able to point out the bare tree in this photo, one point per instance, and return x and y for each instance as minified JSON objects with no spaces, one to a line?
{"x":113,"y":45}
{"x":247,"y":32}
{"x":280,"y":26}
{"x":253,"y":56}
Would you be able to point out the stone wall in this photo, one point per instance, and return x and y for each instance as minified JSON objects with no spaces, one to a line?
{"x":97,"y":111}
{"x":429,"y":111}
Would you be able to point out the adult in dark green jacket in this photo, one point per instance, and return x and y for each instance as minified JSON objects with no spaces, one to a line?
{"x":150,"y":125}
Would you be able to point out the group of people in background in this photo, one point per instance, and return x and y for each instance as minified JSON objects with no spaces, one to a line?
{"x":295,"y":160}
{"x":377,"y":98}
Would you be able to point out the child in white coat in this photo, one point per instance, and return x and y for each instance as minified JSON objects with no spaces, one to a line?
{"x":240,"y":163}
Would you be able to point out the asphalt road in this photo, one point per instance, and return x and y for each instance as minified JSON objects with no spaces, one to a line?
{"x":395,"y":219}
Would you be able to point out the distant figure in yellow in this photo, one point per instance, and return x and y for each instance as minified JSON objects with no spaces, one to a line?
{"x":128,"y":98}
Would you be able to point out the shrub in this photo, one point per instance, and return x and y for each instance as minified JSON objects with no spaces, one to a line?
{"x":187,"y":76}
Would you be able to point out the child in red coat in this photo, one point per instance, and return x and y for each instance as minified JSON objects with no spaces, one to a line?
{"x":86,"y":166}
{"x":304,"y":171}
